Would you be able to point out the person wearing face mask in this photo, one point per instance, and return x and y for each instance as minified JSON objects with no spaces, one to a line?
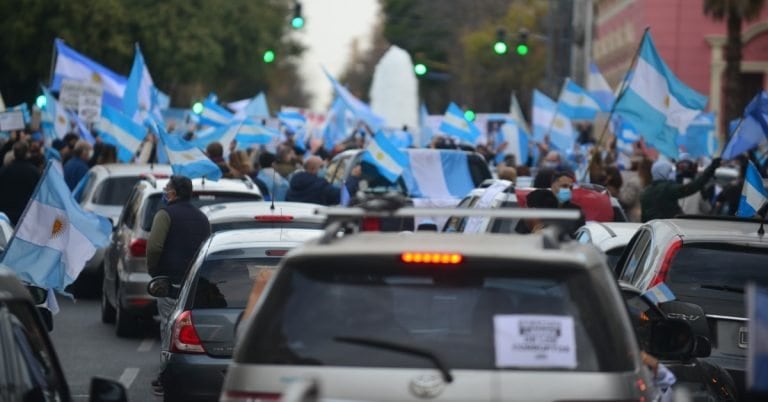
{"x":308,"y":186}
{"x":77,"y":166}
{"x":660,"y":199}
{"x":562,"y":187}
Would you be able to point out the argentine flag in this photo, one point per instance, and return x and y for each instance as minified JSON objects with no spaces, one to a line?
{"x":752,"y":130}
{"x":389,"y":160}
{"x":599,"y":89}
{"x":660,"y":293}
{"x":335,"y":129}
{"x":72,"y":65}
{"x":577,"y":103}
{"x":438,"y":174}
{"x":516,"y":113}
{"x":657,"y":103}
{"x":700,"y":138}
{"x":54,"y":119}
{"x":753,"y":194}
{"x":626,"y":135}
{"x":138,"y":99}
{"x":55,"y":237}
{"x":185,"y":158}
{"x":252,"y":133}
{"x":82,"y":128}
{"x":425,"y":134}
{"x":547,"y":119}
{"x":213,"y":114}
{"x":255,"y":107}
{"x":119,"y":130}
{"x":358,"y":108}
{"x":293,"y":121}
{"x":456,"y":125}
{"x":516,"y":140}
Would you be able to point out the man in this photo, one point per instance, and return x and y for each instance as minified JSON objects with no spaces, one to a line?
{"x":178,"y":230}
{"x":540,"y":198}
{"x":77,"y":166}
{"x":215,"y":152}
{"x":562,"y":188}
{"x":276,"y":183}
{"x":307,"y":186}
{"x":18,"y":180}
{"x":659,"y":200}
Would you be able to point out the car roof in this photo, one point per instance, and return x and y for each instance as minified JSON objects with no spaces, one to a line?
{"x":712,"y":229}
{"x":607,"y":235}
{"x":247,"y":238}
{"x":133,"y":169}
{"x":247,"y":210}
{"x":199,"y":184}
{"x":11,"y":287}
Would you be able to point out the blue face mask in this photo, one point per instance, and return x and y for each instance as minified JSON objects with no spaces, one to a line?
{"x":564,"y":195}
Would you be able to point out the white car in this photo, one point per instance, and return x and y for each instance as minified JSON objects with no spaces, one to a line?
{"x":262,"y":215}
{"x":610,"y":237}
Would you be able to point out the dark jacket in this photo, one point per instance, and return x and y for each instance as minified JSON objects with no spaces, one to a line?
{"x":17,"y":181}
{"x":575,"y":225}
{"x":74,"y":170}
{"x":659,"y":200}
{"x":306,"y":187}
{"x":186,"y":229}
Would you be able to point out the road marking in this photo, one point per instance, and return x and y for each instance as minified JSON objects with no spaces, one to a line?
{"x":146,"y":345}
{"x":128,"y":376}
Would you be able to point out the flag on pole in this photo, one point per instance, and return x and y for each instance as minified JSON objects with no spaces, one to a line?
{"x":255,"y":107}
{"x":599,"y":89}
{"x":516,"y":113}
{"x":456,"y":125}
{"x":72,"y":65}
{"x":213,"y":114}
{"x":389,"y":160}
{"x":700,"y":138}
{"x":82,"y":128}
{"x":752,"y":130}
{"x":660,"y":293}
{"x":577,"y":103}
{"x":516,"y":141}
{"x":547,"y":118}
{"x":118,"y":129}
{"x":657,"y":103}
{"x":137,"y":101}
{"x":185,"y":158}
{"x":54,"y":119}
{"x":335,"y":129}
{"x":753,"y":193}
{"x":358,"y":108}
{"x":54,"y":237}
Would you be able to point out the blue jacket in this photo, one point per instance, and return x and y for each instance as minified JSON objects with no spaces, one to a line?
{"x":74,"y":170}
{"x":306,"y":187}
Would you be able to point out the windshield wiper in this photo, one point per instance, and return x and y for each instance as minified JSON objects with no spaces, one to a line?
{"x":447,"y":377}
{"x":726,"y":288}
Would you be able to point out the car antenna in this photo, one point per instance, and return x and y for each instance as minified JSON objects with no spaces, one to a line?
{"x":274,"y":188}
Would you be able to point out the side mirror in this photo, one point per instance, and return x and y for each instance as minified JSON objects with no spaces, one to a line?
{"x":671,"y":340}
{"x":39,"y":295}
{"x":702,"y":347}
{"x":104,"y":390}
{"x":47,"y":317}
{"x":159,"y":286}
{"x":691,"y":313}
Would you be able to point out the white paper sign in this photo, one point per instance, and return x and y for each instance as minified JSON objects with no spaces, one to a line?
{"x":13,"y":120}
{"x":83,"y":97}
{"x":534,"y":341}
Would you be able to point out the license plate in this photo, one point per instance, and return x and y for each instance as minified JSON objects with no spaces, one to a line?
{"x":743,"y":337}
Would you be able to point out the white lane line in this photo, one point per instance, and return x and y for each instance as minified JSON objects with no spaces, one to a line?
{"x":146,"y":345}
{"x":128,"y":376}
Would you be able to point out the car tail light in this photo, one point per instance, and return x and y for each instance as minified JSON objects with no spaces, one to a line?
{"x":276,"y":253}
{"x":431,"y":258}
{"x":185,"y":339}
{"x":138,"y":247}
{"x":661,"y":274}
{"x":273,"y":218}
{"x":371,"y":224}
{"x":245,"y":396}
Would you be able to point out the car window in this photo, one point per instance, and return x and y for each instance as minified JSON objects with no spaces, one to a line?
{"x":254,"y":224}
{"x":199,"y":199}
{"x":131,"y":209}
{"x":613,"y":256}
{"x":225,"y":281}
{"x":89,"y":186}
{"x":635,"y":256}
{"x":449,"y":312}
{"x":505,"y":225}
{"x":114,"y":190}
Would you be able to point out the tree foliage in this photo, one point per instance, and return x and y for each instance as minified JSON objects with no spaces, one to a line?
{"x":191,"y":47}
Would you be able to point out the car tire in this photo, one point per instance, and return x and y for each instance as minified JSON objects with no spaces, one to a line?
{"x":127,"y":325}
{"x":107,"y":309}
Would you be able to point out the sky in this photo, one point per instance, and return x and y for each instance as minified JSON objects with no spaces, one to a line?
{"x":331,"y":26}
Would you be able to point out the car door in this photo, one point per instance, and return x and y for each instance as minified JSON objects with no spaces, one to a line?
{"x":117,"y":248}
{"x":630,"y":264}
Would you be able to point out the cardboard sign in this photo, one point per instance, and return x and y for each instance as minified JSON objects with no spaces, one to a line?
{"x":10,"y":121}
{"x":534,"y":341}
{"x":83,"y":97}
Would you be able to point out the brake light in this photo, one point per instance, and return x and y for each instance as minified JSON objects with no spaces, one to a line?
{"x":431,"y":258}
{"x":245,"y":396}
{"x":276,"y":253}
{"x":185,"y":339}
{"x":661,"y":275}
{"x":138,"y":247}
{"x":371,"y":224}
{"x":273,"y":218}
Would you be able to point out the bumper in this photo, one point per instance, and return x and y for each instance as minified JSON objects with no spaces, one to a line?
{"x":194,"y":377}
{"x":134,"y":296}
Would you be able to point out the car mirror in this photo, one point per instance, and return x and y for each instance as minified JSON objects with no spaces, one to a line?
{"x":671,"y":340}
{"x":105,"y":390}
{"x":39,"y":295}
{"x":702,"y":347}
{"x":159,"y":286}
{"x":47,"y":317}
{"x":691,"y":313}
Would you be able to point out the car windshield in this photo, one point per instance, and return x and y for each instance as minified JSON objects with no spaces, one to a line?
{"x":715,"y":275}
{"x":465,"y":317}
{"x":115,"y":190}
{"x":199,"y":199}
{"x":254,"y":224}
{"x":225,"y":280}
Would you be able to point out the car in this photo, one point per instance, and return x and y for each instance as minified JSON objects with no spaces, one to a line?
{"x":408,"y":316}
{"x":610,"y":237}
{"x":30,"y":369}
{"x":705,"y":261}
{"x":213,"y":295}
{"x":259,"y":215}
{"x":124,"y":299}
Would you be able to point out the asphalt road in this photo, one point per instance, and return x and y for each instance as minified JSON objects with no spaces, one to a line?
{"x":88,"y":348}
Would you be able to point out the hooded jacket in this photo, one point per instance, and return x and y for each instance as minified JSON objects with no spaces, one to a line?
{"x":307,"y":187}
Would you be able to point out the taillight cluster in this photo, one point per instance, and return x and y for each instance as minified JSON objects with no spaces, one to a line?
{"x":661,"y":274}
{"x":185,"y":338}
{"x":138,"y":248}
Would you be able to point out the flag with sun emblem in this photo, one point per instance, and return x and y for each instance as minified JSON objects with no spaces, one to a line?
{"x":54,"y":237}
{"x":657,"y":103}
{"x":389,"y":160}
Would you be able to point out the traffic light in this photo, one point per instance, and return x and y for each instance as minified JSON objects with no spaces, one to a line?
{"x":420,"y":69}
{"x":500,"y":47}
{"x":197,"y":108}
{"x":41,"y":101}
{"x":297,"y":22}
{"x":469,"y":114}
{"x":522,"y":42}
{"x":269,"y":56}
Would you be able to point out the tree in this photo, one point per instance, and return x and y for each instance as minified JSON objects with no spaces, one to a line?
{"x":734,"y":12}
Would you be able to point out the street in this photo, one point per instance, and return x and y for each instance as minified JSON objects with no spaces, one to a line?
{"x":88,"y":348}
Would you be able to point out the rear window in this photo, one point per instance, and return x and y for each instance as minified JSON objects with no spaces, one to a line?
{"x":456,"y":314}
{"x":114,"y":190}
{"x":715,"y":275}
{"x":253,"y":224}
{"x":199,"y":199}
{"x":225,"y":281}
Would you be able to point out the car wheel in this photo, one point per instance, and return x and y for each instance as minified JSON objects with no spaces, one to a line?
{"x":107,"y":310}
{"x":127,"y":325}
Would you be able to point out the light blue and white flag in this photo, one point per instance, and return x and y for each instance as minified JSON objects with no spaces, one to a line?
{"x":185,"y":158}
{"x":255,"y":108}
{"x":72,"y":65}
{"x":358,"y":108}
{"x":626,"y":135}
{"x":426,"y":133}
{"x":757,"y":351}
{"x":335,"y":129}
{"x":54,"y":119}
{"x":454,"y":124}
{"x":660,"y":293}
{"x":515,"y":140}
{"x":245,"y":132}
{"x":118,"y":129}
{"x":700,"y":139}
{"x":293,"y":121}
{"x":82,"y":128}
{"x":54,"y":237}
{"x":548,"y":119}
{"x":577,"y":103}
{"x":213,"y":114}
{"x":137,"y":100}
{"x":389,"y":160}
{"x":252,"y":133}
{"x":753,"y":194}
{"x":599,"y":88}
{"x":399,"y":138}
{"x":516,"y":113}
{"x":657,"y":103}
{"x":441,"y":174}
{"x":752,"y":130}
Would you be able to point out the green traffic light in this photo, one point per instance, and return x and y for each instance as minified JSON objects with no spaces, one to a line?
{"x":297,"y":22}
{"x":500,"y":48}
{"x":522,"y":49}
{"x":420,"y":69}
{"x":197,"y":108}
{"x":269,"y":56}
{"x":41,"y":101}
{"x":469,"y":114}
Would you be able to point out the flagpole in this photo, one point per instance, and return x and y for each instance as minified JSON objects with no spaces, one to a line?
{"x":53,"y":65}
{"x":728,"y":137}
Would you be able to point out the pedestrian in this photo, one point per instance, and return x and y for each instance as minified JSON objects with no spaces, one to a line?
{"x":276,"y":183}
{"x":660,"y":199}
{"x":215,"y":152}
{"x":18,"y":180}
{"x":287,"y":161}
{"x":77,"y":166}
{"x":539,"y":198}
{"x":307,"y":186}
{"x":178,"y":230}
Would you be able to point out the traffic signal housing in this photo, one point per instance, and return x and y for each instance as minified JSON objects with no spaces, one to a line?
{"x":197,"y":108}
{"x":500,"y":47}
{"x":420,"y":69}
{"x":269,"y":56}
{"x":297,"y":22}
{"x":522,"y":42}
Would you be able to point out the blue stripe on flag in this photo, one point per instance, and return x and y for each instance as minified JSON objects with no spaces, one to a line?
{"x":456,"y":173}
{"x":753,"y":193}
{"x":660,"y":293}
